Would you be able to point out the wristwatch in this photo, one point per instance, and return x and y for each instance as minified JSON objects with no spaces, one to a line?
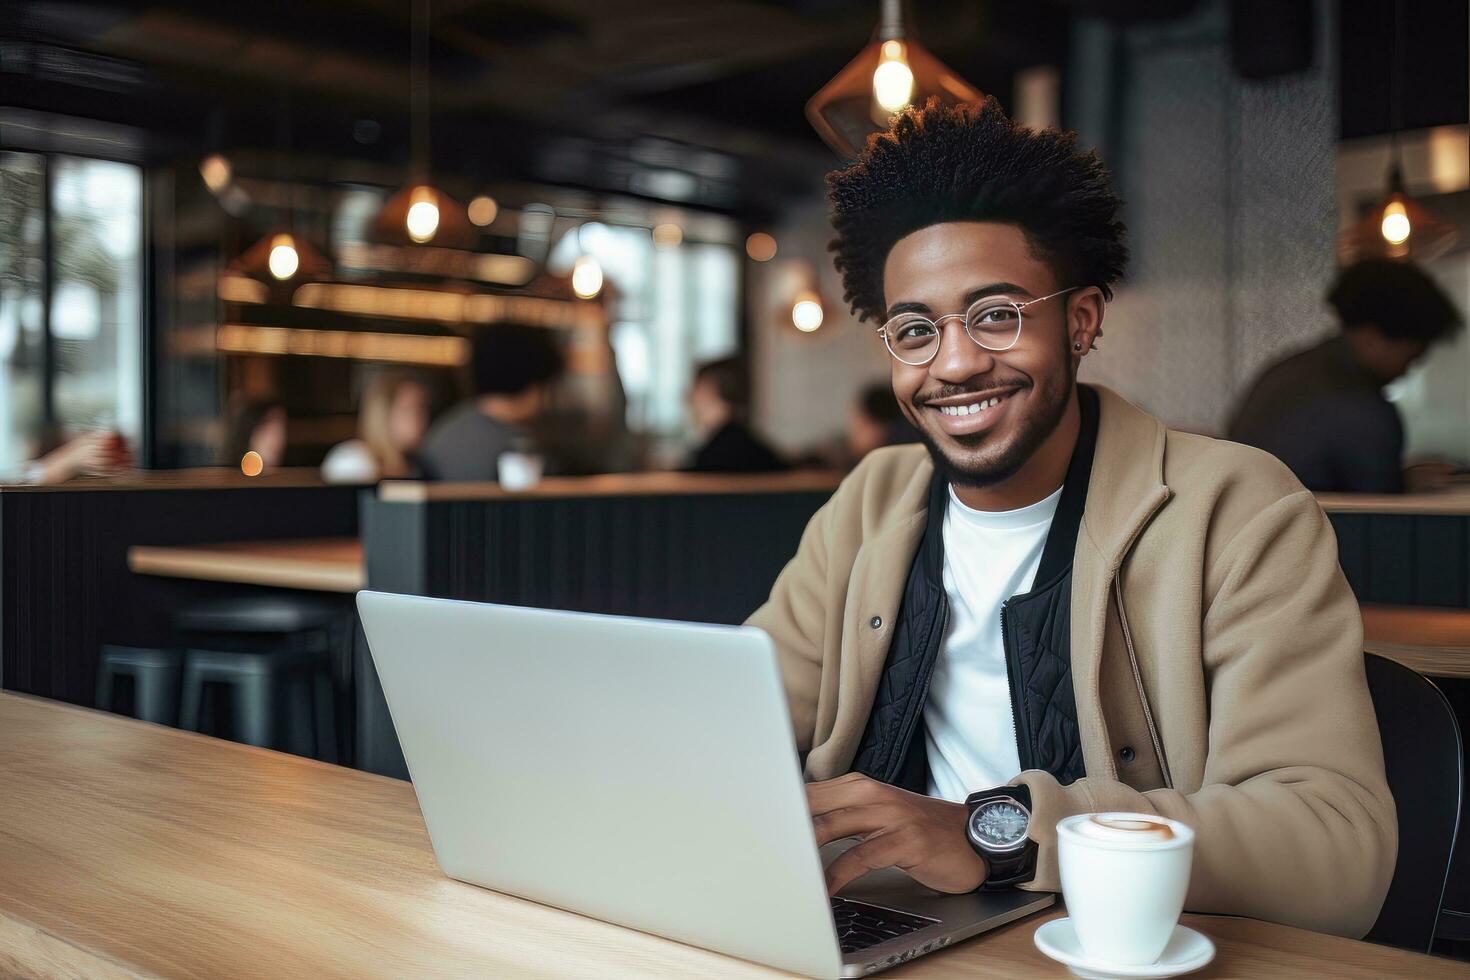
{"x":996,"y":829}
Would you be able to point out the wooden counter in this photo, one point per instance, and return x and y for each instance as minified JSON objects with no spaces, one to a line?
{"x":323,"y":564}
{"x":618,"y":485}
{"x":1435,"y":642}
{"x":1454,"y":500}
{"x":200,"y":478}
{"x":129,"y":849}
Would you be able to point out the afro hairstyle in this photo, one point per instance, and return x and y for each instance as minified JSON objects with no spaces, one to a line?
{"x":970,"y":162}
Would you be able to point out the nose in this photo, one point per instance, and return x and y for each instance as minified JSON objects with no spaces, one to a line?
{"x":959,"y":358}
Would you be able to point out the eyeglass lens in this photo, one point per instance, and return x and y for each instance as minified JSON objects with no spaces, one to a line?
{"x":914,"y":339}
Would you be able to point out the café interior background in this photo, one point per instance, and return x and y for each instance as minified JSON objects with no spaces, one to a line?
{"x":146,"y":150}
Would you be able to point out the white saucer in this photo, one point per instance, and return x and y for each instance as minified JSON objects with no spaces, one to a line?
{"x":1187,"y":951}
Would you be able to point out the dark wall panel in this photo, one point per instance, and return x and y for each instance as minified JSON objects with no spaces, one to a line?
{"x":1406,"y":559}
{"x":65,"y":588}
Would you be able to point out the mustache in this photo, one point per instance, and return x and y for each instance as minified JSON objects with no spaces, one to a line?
{"x":981,"y":391}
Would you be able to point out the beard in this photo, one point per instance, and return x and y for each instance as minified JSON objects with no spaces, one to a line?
{"x":1042,"y":419}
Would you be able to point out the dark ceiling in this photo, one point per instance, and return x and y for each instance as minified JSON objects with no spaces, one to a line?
{"x":603,"y":94}
{"x":692,"y":101}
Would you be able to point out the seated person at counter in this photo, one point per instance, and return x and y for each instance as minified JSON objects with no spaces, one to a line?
{"x":874,"y":421}
{"x":514,"y":366}
{"x":260,"y":427}
{"x":1322,"y":411}
{"x":1057,"y":600}
{"x":89,"y":454}
{"x":719,"y":401}
{"x":391,"y":421}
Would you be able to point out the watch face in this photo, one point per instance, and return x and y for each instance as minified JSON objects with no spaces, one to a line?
{"x":999,"y":824}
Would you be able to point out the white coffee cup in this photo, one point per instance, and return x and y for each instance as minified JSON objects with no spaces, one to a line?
{"x":1124,"y":876}
{"x":518,"y":470}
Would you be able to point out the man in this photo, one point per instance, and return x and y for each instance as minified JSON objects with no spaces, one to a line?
{"x":719,"y":400}
{"x":514,"y":367}
{"x":1322,"y":411}
{"x":1062,"y":603}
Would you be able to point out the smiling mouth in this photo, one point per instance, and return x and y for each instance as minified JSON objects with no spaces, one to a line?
{"x":973,"y":408}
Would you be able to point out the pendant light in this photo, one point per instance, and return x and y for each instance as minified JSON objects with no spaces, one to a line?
{"x":1398,"y":227}
{"x":420,"y":213}
{"x":894,"y":71}
{"x":587,"y":276}
{"x":282,"y":255}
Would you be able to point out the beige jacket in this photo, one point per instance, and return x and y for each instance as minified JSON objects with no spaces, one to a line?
{"x":1212,"y":632}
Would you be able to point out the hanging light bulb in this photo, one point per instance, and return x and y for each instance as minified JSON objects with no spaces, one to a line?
{"x":893,"y":71}
{"x":420,"y":210}
{"x":806,"y":312}
{"x":1399,"y":227}
{"x":284,"y":260}
{"x":422,"y":219}
{"x":586,"y":277}
{"x":893,"y":79}
{"x":1395,"y":224}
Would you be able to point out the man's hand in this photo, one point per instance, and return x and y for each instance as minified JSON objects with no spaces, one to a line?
{"x":919,"y":835}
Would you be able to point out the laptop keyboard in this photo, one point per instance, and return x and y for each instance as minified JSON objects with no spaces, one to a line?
{"x":860,"y":925}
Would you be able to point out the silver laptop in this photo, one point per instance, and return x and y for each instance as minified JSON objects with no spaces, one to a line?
{"x":640,"y":772}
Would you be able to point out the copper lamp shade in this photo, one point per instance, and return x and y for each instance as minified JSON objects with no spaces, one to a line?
{"x":848,"y":109}
{"x":1398,"y":228}
{"x":283,"y":256}
{"x":452,"y":229}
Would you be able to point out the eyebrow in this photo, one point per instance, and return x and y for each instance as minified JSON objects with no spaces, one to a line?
{"x":978,"y":293}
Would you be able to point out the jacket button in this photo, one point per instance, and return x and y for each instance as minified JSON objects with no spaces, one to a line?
{"x":1127,"y":754}
{"x":876,"y":622}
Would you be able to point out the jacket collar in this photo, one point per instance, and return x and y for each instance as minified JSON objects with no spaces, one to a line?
{"x":1127,"y":486}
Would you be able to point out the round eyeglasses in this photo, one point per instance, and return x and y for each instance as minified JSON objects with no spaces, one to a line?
{"x":993,"y":322}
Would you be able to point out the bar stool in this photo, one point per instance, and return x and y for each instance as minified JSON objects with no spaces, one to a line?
{"x":155,"y":675}
{"x":272,"y":656}
{"x":276,"y":700}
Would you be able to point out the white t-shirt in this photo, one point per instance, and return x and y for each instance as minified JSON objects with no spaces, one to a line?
{"x":969,"y":730}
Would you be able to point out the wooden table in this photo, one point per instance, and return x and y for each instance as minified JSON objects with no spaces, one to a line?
{"x":127,"y":849}
{"x":323,"y":565}
{"x":1435,"y":642}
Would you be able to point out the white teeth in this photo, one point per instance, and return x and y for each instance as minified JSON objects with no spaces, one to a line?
{"x":970,"y":409}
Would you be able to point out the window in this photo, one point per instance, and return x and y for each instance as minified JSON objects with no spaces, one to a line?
{"x":675,"y":308}
{"x":75,"y":365}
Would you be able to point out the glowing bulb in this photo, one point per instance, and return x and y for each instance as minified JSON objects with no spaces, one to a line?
{"x":806,"y":314}
{"x":586,"y":277}
{"x":1395,"y":223}
{"x":483,"y":210}
{"x":760,"y":247}
{"x":216,"y":172}
{"x":283,"y":261}
{"x":667,"y":235}
{"x":251,"y":464}
{"x":423,"y":215}
{"x":893,"y":81}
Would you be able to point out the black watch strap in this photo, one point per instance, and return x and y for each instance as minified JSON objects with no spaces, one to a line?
{"x":1006,"y":870}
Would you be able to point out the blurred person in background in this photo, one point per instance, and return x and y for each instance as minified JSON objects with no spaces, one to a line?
{"x":719,"y":402}
{"x":874,"y":421}
{"x":1322,"y":411}
{"x":258,"y":427}
{"x":514,"y":366}
{"x":392,"y":419}
{"x":89,"y":454}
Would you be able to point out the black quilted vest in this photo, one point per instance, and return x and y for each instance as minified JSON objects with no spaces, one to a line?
{"x":1035,"y":630}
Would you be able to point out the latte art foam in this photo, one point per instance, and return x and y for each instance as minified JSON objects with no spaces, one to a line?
{"x":1129,"y":830}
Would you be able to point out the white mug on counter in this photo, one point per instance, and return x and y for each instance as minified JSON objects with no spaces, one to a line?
{"x":1124,"y":876}
{"x":518,"y":470}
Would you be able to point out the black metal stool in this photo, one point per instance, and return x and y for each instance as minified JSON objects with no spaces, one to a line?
{"x":272,"y":656}
{"x":155,"y":675}
{"x":277,"y":699}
